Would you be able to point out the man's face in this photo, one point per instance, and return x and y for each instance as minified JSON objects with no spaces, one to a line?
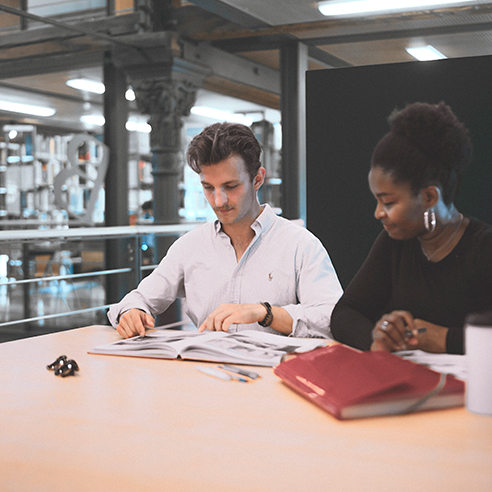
{"x":230,"y":190}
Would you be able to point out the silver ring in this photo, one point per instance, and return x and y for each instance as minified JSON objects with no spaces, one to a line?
{"x":384,"y":325}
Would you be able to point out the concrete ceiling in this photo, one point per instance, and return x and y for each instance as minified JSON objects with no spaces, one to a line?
{"x":233,"y":44}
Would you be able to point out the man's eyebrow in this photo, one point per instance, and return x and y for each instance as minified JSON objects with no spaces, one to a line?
{"x":232,"y":181}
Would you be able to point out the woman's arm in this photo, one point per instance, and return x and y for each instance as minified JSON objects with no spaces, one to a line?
{"x":365,"y":298}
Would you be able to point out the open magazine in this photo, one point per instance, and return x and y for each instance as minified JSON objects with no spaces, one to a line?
{"x":249,"y":347}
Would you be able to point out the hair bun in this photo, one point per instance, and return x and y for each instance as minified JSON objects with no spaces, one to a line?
{"x":436,"y":132}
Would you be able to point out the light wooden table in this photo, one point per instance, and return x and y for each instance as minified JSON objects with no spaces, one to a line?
{"x":132,"y":424}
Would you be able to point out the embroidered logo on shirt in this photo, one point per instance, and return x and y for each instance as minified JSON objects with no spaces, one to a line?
{"x":270,"y":276}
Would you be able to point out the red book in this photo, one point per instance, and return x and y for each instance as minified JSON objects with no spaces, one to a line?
{"x":348,"y":383}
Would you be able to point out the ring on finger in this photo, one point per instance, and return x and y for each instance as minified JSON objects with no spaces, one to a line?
{"x":384,"y":325}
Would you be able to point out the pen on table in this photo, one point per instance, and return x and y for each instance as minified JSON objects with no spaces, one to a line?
{"x":408,"y":333}
{"x":212,"y":371}
{"x":239,"y":370}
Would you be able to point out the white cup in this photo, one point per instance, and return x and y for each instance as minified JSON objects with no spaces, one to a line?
{"x":478,"y":349}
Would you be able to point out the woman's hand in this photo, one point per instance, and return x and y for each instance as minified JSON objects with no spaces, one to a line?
{"x":434,"y":338}
{"x":399,"y":330}
{"x":394,"y":331}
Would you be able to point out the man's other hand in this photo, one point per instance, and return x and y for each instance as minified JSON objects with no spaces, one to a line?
{"x":134,"y":322}
{"x":227,"y":314}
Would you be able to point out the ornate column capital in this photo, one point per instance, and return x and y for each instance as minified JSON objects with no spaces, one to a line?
{"x":167,"y":101}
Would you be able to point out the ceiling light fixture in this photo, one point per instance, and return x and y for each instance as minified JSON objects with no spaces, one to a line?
{"x":355,"y":7}
{"x":93,"y":119}
{"x":26,"y":109}
{"x":131,"y":125}
{"x":95,"y":87}
{"x":86,"y":85}
{"x":425,"y":53}
{"x":217,"y":114}
{"x":138,"y":126}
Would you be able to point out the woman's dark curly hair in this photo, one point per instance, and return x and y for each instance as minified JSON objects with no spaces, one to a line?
{"x":222,"y":140}
{"x":427,"y":145}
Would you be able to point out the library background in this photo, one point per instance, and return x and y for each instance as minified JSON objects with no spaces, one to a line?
{"x":100,"y":98}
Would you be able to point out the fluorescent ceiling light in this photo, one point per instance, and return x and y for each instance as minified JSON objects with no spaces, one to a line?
{"x":217,"y":114}
{"x":131,"y":125}
{"x":425,"y":53}
{"x":93,"y":119}
{"x":96,"y":87}
{"x":138,"y":126}
{"x":86,"y":85}
{"x":26,"y":109}
{"x":353,"y":7}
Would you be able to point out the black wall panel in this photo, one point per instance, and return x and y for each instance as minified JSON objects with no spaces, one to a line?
{"x":347,"y":110}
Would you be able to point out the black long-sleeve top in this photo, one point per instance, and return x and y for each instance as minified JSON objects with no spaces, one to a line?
{"x":397,"y":275}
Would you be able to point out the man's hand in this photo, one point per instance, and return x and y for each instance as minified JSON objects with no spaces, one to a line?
{"x":134,"y":322}
{"x":227,"y":314}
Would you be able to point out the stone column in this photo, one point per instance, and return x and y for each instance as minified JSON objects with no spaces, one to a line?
{"x":167,"y":101}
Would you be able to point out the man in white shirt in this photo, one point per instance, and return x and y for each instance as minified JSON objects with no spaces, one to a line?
{"x":250,"y":269}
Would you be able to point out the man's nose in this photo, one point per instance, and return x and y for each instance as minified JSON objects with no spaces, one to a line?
{"x":220,"y":198}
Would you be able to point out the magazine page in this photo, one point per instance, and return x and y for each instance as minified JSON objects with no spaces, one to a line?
{"x":445,"y":363}
{"x":166,"y":344}
{"x":247,"y":347}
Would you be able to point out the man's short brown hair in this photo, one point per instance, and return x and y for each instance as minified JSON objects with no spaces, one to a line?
{"x":220,"y":141}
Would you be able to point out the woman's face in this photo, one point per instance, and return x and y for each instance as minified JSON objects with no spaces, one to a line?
{"x":398,"y":208}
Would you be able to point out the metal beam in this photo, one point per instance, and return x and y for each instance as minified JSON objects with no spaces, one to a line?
{"x":325,"y":58}
{"x":61,"y":25}
{"x":117,"y":26}
{"x":397,"y":34}
{"x":50,"y":63}
{"x":231,"y":13}
{"x":233,"y":67}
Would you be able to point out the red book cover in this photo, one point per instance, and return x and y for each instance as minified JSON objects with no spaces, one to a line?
{"x":349,"y":383}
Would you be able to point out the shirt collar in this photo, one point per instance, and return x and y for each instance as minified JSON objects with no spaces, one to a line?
{"x":262,"y":223}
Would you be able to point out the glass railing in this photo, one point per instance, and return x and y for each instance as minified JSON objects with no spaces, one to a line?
{"x":56,"y":279}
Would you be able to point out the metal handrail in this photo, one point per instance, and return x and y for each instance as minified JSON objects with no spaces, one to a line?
{"x":51,"y":316}
{"x":91,"y":232}
{"x":67,"y":277}
{"x":83,"y":233}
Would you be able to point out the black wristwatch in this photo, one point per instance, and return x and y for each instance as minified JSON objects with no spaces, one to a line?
{"x":267,"y":320}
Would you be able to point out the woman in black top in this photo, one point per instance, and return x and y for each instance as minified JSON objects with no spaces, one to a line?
{"x":431,"y":266}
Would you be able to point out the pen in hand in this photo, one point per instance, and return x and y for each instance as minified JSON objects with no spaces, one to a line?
{"x":409,"y":334}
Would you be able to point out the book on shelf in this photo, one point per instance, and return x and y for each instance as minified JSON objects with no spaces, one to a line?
{"x":248,"y":347}
{"x":349,"y":384}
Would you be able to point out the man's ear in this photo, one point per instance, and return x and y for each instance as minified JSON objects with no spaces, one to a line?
{"x":431,"y":196}
{"x":259,"y":178}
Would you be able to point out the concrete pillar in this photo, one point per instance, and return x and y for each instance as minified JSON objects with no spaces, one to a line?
{"x":293,"y":66}
{"x":117,"y":251}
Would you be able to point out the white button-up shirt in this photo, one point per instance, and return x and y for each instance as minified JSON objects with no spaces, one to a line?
{"x":284,"y":264}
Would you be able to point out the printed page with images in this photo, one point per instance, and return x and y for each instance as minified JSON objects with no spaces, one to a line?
{"x":245,"y":347}
{"x":445,"y":363}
